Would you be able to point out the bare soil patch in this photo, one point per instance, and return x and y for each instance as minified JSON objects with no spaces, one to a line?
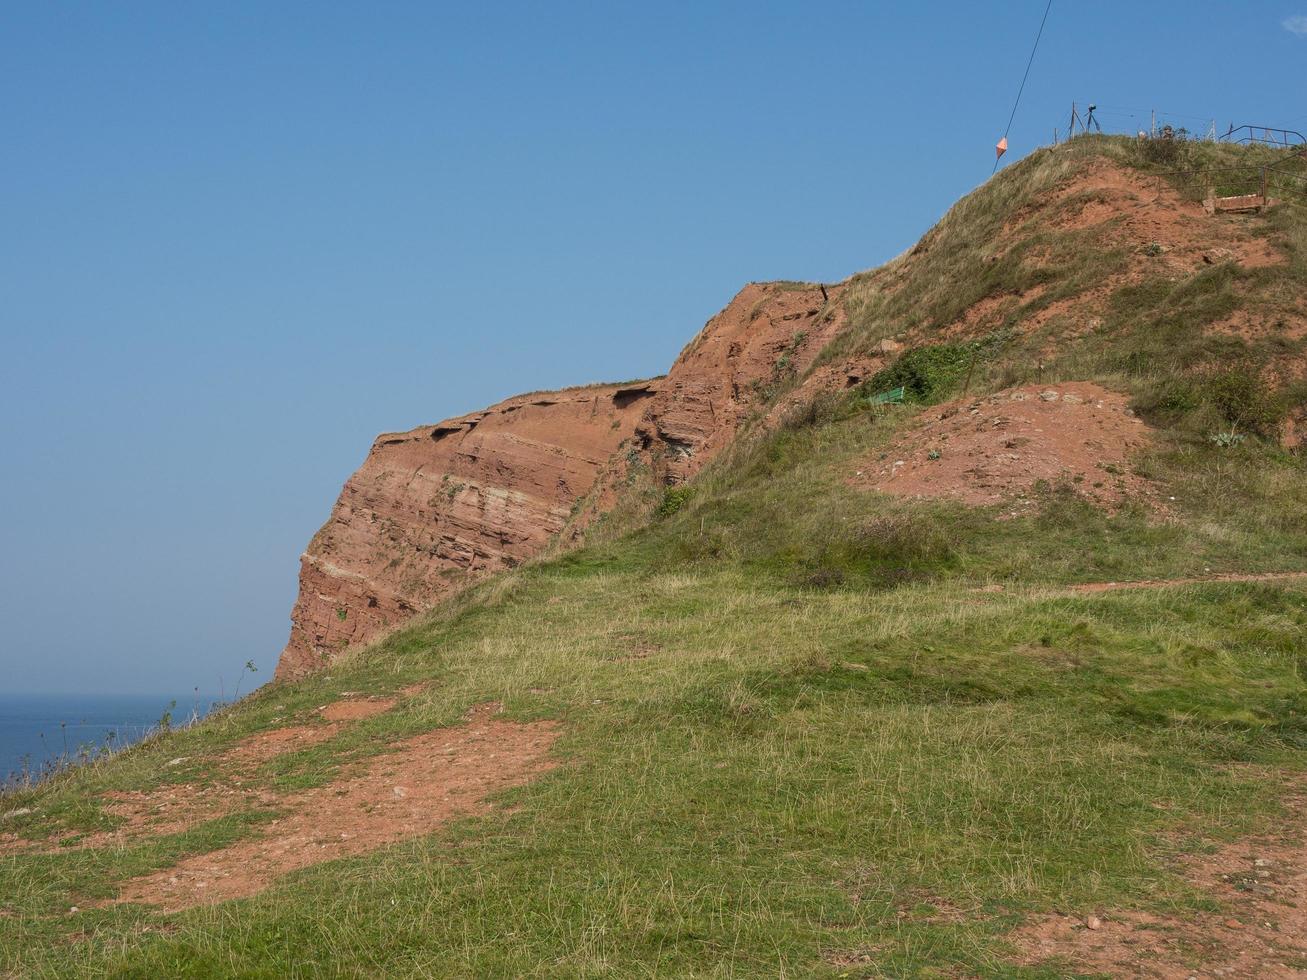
{"x":11,"y":843}
{"x":1253,"y":326}
{"x":1161,"y":583}
{"x":1260,"y":931}
{"x":355,"y":709}
{"x":425,"y":782}
{"x":988,"y":312}
{"x":262,"y":746}
{"x":1143,"y":211}
{"x":172,"y":809}
{"x":176,"y":807}
{"x":1294,"y":430}
{"x":995,"y":449}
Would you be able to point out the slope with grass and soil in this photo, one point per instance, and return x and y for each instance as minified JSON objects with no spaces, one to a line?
{"x":439,"y":507}
{"x":767,"y":704}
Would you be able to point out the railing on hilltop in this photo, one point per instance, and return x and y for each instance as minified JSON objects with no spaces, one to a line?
{"x":1268,"y":135}
{"x":1157,"y":124}
{"x":1247,"y":187}
{"x":1241,"y":188}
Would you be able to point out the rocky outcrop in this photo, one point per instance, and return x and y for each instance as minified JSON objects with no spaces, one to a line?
{"x":435,"y":508}
{"x":769,"y":334}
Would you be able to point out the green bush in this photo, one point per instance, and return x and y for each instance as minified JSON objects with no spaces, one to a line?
{"x":1233,"y":394}
{"x":902,"y":539}
{"x":931,"y":372}
{"x":925,"y":374}
{"x":674,"y":498}
{"x":1240,"y":393}
{"x":1168,"y":149}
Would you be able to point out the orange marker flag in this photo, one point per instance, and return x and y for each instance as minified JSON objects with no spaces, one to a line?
{"x":1000,"y":148}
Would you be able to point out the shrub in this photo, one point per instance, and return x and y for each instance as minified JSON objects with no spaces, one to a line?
{"x":930,"y":372}
{"x":823,"y":409}
{"x":925,"y":374}
{"x":901,"y":539}
{"x":1169,"y":401}
{"x":1232,"y":394}
{"x":1240,"y":393}
{"x":674,"y":498}
{"x":824,"y":577}
{"x":1170,"y":148}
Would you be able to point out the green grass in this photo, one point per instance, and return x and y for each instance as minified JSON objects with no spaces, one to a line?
{"x":786,"y":777}
{"x":796,"y":733}
{"x":797,"y":769}
{"x":778,"y":505}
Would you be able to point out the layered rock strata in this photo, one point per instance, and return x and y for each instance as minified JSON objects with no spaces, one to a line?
{"x":435,"y":508}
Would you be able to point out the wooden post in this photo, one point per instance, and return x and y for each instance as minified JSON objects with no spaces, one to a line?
{"x":966,"y":385}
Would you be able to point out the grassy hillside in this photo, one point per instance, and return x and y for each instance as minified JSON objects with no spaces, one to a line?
{"x":805,"y":729}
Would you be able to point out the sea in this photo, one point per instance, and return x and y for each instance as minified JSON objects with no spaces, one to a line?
{"x":39,"y":731}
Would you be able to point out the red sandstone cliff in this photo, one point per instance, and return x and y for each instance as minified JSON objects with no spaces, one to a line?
{"x":768,"y":334}
{"x":432,"y":509}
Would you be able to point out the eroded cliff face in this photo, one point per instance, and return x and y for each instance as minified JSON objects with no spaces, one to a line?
{"x":435,"y":508}
{"x":767,"y":335}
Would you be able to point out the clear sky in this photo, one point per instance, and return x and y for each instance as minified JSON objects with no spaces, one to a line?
{"x":238,"y":240}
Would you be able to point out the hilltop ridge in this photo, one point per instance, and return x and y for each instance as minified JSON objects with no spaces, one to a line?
{"x":1071,"y":248}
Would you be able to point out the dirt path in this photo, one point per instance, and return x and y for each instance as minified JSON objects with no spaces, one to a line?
{"x":171,"y":808}
{"x":424,"y":782}
{"x":1260,"y":930}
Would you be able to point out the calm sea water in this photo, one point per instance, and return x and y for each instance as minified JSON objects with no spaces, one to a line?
{"x":38,"y":728}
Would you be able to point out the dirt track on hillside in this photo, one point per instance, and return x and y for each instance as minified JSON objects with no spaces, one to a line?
{"x":422,"y":783}
{"x":1260,"y":930}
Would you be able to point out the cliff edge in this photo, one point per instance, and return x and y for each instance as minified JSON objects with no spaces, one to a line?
{"x":435,"y":508}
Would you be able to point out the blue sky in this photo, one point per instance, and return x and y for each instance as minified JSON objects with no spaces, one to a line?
{"x":240,"y":239}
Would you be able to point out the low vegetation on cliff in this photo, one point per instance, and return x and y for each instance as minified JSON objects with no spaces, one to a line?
{"x":1005,"y":679}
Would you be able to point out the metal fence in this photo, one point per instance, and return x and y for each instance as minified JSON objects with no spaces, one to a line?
{"x":1266,"y":135}
{"x":1089,"y":117}
{"x":1284,"y":182}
